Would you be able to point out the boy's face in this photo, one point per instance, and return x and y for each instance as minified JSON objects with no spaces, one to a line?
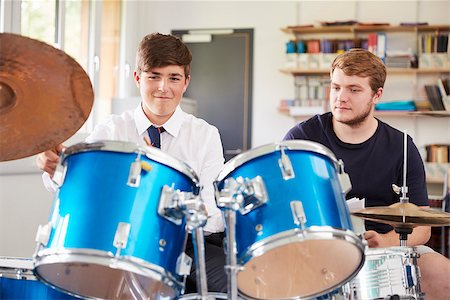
{"x":351,"y":98}
{"x":161,"y":91}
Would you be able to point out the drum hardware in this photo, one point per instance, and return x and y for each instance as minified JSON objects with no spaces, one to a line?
{"x":344,"y":178}
{"x":134,"y":177}
{"x":52,"y":81}
{"x":285,"y":165}
{"x":121,"y":237}
{"x":43,"y":234}
{"x":175,"y":204}
{"x":172,"y":206}
{"x":298,"y":214}
{"x":242,"y":194}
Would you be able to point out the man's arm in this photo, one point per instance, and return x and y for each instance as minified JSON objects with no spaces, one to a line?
{"x":419,"y":236}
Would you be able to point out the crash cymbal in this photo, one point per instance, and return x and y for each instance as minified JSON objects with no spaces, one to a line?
{"x":45,"y":96}
{"x":404,"y":215}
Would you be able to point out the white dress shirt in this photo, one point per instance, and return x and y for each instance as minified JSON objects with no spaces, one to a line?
{"x":186,"y":138}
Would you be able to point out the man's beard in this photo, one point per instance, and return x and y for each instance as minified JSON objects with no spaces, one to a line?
{"x":359,"y":119}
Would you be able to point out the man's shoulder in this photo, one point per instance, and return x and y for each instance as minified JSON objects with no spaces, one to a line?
{"x":125,"y":116}
{"x":197,"y":123}
{"x":309,"y":128}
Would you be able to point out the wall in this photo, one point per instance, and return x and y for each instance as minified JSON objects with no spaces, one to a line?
{"x":24,"y":203}
{"x":267,"y":18}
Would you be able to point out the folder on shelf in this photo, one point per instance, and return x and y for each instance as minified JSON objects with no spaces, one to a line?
{"x":396,"y":105}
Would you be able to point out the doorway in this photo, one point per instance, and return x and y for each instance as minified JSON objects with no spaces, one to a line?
{"x":221,"y":82}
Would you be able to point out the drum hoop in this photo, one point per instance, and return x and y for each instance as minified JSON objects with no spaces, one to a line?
{"x":9,"y":267}
{"x":312,"y":233}
{"x":243,"y":158}
{"x":127,"y":147}
{"x":124,"y":263}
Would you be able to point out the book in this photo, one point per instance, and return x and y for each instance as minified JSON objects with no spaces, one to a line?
{"x":381,"y":45}
{"x":434,"y":97}
{"x":444,"y":89}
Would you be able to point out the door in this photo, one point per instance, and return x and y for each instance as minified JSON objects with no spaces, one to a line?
{"x":221,"y":82}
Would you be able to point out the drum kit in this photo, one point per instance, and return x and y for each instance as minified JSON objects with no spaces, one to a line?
{"x":288,"y":229}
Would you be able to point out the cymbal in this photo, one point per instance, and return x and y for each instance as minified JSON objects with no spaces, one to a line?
{"x":45,"y":96}
{"x":406,"y":215}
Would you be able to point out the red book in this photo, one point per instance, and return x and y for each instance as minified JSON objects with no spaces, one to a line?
{"x":313,"y":46}
{"x":372,"y":42}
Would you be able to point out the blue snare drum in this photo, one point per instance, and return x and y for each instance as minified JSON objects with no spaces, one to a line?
{"x":295,"y":238}
{"x":18,"y":282}
{"x":107,"y":237}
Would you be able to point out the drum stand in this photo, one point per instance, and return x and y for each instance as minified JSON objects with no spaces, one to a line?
{"x":172,"y":206}
{"x":196,"y":219}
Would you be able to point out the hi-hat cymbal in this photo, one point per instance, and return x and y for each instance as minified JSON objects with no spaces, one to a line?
{"x":404,"y":215}
{"x":45,"y":96}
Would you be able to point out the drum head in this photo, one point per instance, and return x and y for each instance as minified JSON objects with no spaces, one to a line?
{"x":302,"y":269}
{"x":92,"y":280}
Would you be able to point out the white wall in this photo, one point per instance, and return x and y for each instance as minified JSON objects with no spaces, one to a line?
{"x":24,"y":203}
{"x":267,"y":18}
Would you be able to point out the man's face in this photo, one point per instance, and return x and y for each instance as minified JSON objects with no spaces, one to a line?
{"x":351,"y":98}
{"x":161,"y":91}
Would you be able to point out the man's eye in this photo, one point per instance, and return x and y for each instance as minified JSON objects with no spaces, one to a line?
{"x":354,"y":90}
{"x":336,"y":88}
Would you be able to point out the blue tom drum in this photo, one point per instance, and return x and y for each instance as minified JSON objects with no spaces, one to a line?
{"x":294,"y":234}
{"x":108,"y":235}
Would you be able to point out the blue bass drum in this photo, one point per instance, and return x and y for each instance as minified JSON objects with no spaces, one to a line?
{"x":18,"y":282}
{"x":108,"y":236}
{"x":294,"y":235}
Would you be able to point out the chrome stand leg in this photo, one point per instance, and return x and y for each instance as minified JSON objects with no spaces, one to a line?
{"x":231,"y":268}
{"x":198,"y":241}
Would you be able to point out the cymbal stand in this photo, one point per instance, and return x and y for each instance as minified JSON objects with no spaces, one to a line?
{"x":403,"y":231}
{"x":403,"y":235}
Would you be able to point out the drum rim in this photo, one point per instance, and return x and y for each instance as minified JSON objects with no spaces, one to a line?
{"x":135,"y":265}
{"x":22,"y":264}
{"x":152,"y":153}
{"x":242,"y":158}
{"x":314,"y":232}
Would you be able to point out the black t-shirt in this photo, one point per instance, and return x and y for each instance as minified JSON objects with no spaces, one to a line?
{"x":373,"y":166}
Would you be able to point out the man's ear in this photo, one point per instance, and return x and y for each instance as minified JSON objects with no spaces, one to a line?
{"x":377,"y":96}
{"x":188,"y":79}
{"x":137,"y":78}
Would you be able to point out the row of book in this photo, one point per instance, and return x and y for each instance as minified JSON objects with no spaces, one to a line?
{"x":436,"y":42}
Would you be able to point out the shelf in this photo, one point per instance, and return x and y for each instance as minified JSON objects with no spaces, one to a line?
{"x":295,"y":71}
{"x":362,"y":28}
{"x":295,"y":111}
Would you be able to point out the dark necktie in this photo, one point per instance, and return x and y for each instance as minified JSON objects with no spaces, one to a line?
{"x":154,"y":134}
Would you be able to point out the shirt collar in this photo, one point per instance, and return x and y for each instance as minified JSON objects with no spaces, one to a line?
{"x":172,"y":126}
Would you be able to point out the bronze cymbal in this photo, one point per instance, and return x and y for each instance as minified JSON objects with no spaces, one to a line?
{"x":404,"y":215}
{"x":45,"y":96}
